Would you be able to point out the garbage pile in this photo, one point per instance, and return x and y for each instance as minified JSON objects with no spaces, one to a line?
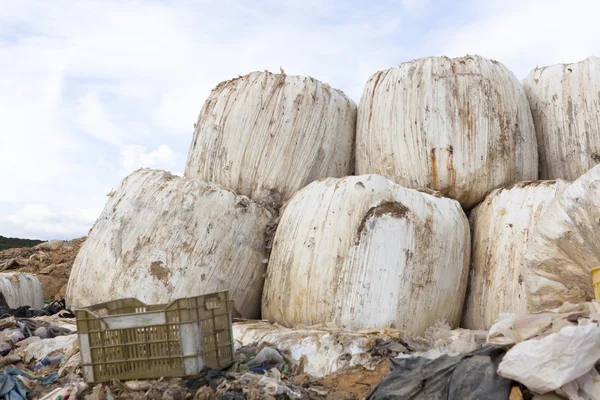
{"x":36,"y":353}
{"x":553,"y":353}
{"x":41,"y":359}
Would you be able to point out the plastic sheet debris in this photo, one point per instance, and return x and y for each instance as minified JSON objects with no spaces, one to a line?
{"x":546,"y":364}
{"x":251,"y":385}
{"x":11,"y":387}
{"x":56,"y":307}
{"x":43,"y":348}
{"x":466,"y":376}
{"x":456,"y":341}
{"x":266,"y":359}
{"x":510,"y":329}
{"x":586,"y":387}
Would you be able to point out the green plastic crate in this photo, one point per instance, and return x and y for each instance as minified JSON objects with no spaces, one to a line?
{"x":127,"y":339}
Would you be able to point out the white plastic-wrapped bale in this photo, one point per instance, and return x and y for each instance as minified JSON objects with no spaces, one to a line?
{"x":268,"y":135}
{"x":365,"y":252}
{"x":565,"y":103}
{"x":501,"y":227}
{"x":21,"y":290}
{"x":565,"y":246}
{"x":461,"y":126}
{"x":162,"y":237}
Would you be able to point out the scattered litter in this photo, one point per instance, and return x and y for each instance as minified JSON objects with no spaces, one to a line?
{"x":388,"y":348}
{"x":137,"y":386}
{"x":515,"y":394}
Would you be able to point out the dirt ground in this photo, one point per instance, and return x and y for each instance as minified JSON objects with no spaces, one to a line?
{"x":358,"y":381}
{"x":51,"y":262}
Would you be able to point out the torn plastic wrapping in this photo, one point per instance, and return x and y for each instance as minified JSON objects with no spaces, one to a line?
{"x":546,"y":364}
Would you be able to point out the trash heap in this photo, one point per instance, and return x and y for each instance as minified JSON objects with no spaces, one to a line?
{"x":552,"y":353}
{"x":41,"y":359}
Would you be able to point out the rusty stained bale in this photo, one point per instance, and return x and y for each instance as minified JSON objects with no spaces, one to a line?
{"x":460,"y":126}
{"x":268,"y":135}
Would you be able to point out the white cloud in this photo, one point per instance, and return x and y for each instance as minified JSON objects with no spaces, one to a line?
{"x":94,"y":121}
{"x":135,"y":156}
{"x":41,"y":221}
{"x":523,"y":34}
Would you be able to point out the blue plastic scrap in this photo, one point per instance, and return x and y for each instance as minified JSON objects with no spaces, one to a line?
{"x":11,"y":387}
{"x":49,"y":379}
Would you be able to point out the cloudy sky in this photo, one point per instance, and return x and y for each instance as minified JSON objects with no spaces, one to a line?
{"x":92,"y":90}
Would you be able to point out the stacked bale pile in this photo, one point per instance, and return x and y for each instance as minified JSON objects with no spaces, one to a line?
{"x":534,"y":245}
{"x":364,"y":251}
{"x":460,"y":126}
{"x":161,"y":237}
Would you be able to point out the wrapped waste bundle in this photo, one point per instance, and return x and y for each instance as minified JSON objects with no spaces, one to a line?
{"x":461,"y":126}
{"x":566,"y":112}
{"x":21,"y":290}
{"x":501,"y":226}
{"x":268,"y":135}
{"x":162,"y":237}
{"x":565,"y":246}
{"x":324,"y":351}
{"x":364,"y":252}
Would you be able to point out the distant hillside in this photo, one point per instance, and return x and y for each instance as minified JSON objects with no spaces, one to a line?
{"x":9,"y":243}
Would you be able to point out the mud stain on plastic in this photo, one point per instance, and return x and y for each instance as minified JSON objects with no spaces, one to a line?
{"x":394,"y":209}
{"x":158,"y":271}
